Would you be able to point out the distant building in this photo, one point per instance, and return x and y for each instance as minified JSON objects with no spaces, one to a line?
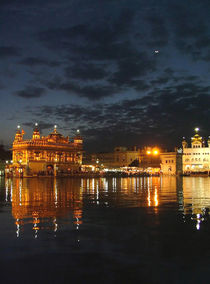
{"x":147,"y":158}
{"x":120,"y":157}
{"x":171,"y":163}
{"x":150,"y":158}
{"x":48,"y":155}
{"x":196,"y":158}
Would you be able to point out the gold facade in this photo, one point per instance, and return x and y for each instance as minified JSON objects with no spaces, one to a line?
{"x":47,"y":155}
{"x":196,"y":159}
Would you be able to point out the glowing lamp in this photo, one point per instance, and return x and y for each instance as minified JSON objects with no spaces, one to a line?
{"x":155,"y":152}
{"x":148,"y":152}
{"x":197,"y":129}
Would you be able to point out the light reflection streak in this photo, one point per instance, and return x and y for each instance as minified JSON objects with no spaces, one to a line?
{"x":156,"y":197}
{"x":97,"y":193}
{"x":18,"y":228}
{"x":148,"y":198}
{"x":7,"y":191}
{"x":56,"y":194}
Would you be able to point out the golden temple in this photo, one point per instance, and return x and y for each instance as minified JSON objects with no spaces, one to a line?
{"x":47,"y":155}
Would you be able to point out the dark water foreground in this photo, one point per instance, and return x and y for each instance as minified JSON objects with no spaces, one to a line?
{"x":116,"y":230}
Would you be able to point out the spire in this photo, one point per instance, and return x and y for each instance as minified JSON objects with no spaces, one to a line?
{"x":78,"y":138}
{"x":197,"y":140}
{"x":55,"y":129}
{"x":184,"y":143}
{"x":36,"y":133}
{"x":18,"y":129}
{"x":18,"y":135}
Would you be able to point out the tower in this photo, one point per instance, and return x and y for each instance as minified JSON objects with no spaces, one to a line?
{"x":78,"y":138}
{"x":184,"y":143}
{"x":18,"y":135}
{"x":197,"y":140}
{"x":36,"y":133}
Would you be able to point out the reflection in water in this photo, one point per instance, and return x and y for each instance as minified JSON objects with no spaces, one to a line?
{"x":196,"y":199}
{"x":43,"y":203}
{"x":40,"y":202}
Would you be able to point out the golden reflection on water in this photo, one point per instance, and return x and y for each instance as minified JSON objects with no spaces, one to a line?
{"x":196,"y":194}
{"x":41,"y":202}
{"x":196,"y":199}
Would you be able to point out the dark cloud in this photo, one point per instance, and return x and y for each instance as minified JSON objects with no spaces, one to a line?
{"x":97,"y":34}
{"x":30,"y":92}
{"x":132,"y":67}
{"x":106,"y":55}
{"x":191,"y":29}
{"x":92,"y":92}
{"x":9,"y":51}
{"x":2,"y":86}
{"x":163,"y":116}
{"x":159,"y":34}
{"x":37,"y":61}
{"x":86,"y":71}
{"x":100,"y":51}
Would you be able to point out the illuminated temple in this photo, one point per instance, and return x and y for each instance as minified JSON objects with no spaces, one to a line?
{"x":47,"y":155}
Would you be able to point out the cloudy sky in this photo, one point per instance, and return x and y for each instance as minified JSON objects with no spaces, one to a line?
{"x":94,"y":65}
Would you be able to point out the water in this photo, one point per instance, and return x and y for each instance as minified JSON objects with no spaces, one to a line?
{"x":116,"y":230}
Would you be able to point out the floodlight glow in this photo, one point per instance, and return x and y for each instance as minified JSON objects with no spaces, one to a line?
{"x":155,"y":152}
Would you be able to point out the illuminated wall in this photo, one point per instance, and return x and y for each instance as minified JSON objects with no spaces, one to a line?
{"x":45,"y":155}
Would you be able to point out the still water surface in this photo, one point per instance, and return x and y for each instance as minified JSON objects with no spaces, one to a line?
{"x":115,"y":230}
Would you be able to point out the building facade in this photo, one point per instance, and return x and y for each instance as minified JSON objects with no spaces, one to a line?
{"x":171,"y":163}
{"x":147,"y":158}
{"x":150,"y":159}
{"x":196,"y":158}
{"x":47,"y":155}
{"x":120,"y":157}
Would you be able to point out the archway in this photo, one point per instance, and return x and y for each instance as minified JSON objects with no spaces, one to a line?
{"x":50,"y":170}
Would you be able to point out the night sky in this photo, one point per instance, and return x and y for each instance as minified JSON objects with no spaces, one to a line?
{"x":123,"y":72}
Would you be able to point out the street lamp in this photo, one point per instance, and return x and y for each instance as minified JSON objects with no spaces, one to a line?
{"x":155,"y":152}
